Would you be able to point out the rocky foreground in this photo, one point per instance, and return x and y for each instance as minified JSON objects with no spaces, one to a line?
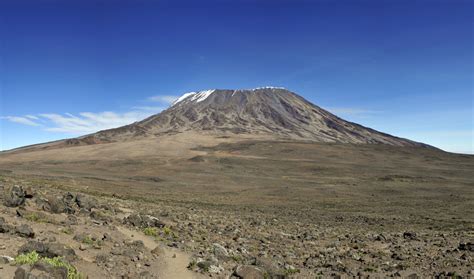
{"x":50,"y":233}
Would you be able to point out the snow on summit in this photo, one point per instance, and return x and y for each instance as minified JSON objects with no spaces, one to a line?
{"x":203,"y":95}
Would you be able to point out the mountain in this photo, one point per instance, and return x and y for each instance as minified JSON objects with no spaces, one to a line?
{"x":272,"y":112}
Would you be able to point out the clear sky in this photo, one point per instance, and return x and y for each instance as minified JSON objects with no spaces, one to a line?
{"x":73,"y":67}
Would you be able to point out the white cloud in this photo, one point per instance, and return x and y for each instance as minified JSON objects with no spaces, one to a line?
{"x":31,"y":117}
{"x":166,"y":99}
{"x":89,"y":122}
{"x":21,"y":120}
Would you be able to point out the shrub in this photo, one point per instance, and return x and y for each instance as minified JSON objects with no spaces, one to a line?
{"x":33,"y":257}
{"x":150,"y":231}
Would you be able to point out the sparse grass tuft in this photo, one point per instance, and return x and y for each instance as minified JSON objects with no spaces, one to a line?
{"x":35,"y":217}
{"x":150,"y":231}
{"x":192,"y":264}
{"x":29,"y":258}
{"x":67,"y":230}
{"x":33,"y":257}
{"x":290,"y":271}
{"x":94,"y":243}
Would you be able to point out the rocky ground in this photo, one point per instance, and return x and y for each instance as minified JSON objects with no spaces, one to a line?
{"x":107,"y":237}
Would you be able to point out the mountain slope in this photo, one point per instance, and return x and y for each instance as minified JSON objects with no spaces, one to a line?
{"x":262,"y":111}
{"x":272,"y":112}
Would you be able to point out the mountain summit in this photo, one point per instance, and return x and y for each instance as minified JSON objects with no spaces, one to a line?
{"x":268,"y":111}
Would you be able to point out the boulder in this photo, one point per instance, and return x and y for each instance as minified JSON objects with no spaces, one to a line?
{"x":143,"y":221}
{"x":25,"y":231}
{"x":220,"y":251}
{"x":54,"y":205}
{"x":59,"y":272}
{"x":49,"y":250}
{"x":14,"y":196}
{"x":69,"y":201}
{"x":249,"y":272}
{"x":4,"y":227}
{"x":86,"y":202}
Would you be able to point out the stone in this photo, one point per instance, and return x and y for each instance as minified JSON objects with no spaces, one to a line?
{"x":86,"y":202}
{"x":4,"y":227}
{"x":69,"y":200}
{"x":409,"y":235}
{"x":15,"y":196}
{"x":143,"y":221}
{"x":220,"y":251}
{"x":49,"y":250}
{"x":25,"y":231}
{"x":158,"y":251}
{"x":468,"y":246}
{"x":249,"y":272}
{"x":21,"y":272}
{"x":54,"y":205}
{"x":59,"y":272}
{"x":204,"y":265}
{"x":6,"y":259}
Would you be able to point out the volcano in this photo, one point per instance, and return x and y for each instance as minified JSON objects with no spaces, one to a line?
{"x":267,"y":111}
{"x":270,"y":112}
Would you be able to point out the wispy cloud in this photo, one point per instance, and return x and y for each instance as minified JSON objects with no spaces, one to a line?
{"x":90,"y":122}
{"x":25,"y":120}
{"x":165,"y":99}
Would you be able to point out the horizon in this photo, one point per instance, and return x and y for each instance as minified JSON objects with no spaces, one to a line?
{"x":70,"y":69}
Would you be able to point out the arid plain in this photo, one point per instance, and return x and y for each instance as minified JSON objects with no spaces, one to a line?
{"x":287,"y":208}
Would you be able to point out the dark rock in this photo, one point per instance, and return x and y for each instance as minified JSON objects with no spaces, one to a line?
{"x":85,"y":202}
{"x":21,"y":272}
{"x":59,"y":272}
{"x":81,"y":237}
{"x":409,"y":235}
{"x":4,"y":227}
{"x":468,"y":246}
{"x":60,"y":250}
{"x":15,"y":196}
{"x":49,"y":250}
{"x":100,"y":216}
{"x":204,"y":265}
{"x":143,"y":221}
{"x":25,"y":231}
{"x":54,"y":205}
{"x":69,"y":201}
{"x":70,"y":220}
{"x":249,"y":272}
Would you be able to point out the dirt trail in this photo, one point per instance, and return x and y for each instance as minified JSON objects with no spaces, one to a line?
{"x":173,"y":263}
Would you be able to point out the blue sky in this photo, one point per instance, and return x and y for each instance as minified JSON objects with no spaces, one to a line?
{"x":72,"y":67}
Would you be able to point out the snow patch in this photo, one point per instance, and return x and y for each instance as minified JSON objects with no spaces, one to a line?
{"x":202,"y":95}
{"x":268,"y":87}
{"x":195,"y":96}
{"x":185,"y":95}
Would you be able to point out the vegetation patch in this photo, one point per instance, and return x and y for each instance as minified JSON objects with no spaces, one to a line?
{"x":36,"y":217}
{"x":33,"y":257}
